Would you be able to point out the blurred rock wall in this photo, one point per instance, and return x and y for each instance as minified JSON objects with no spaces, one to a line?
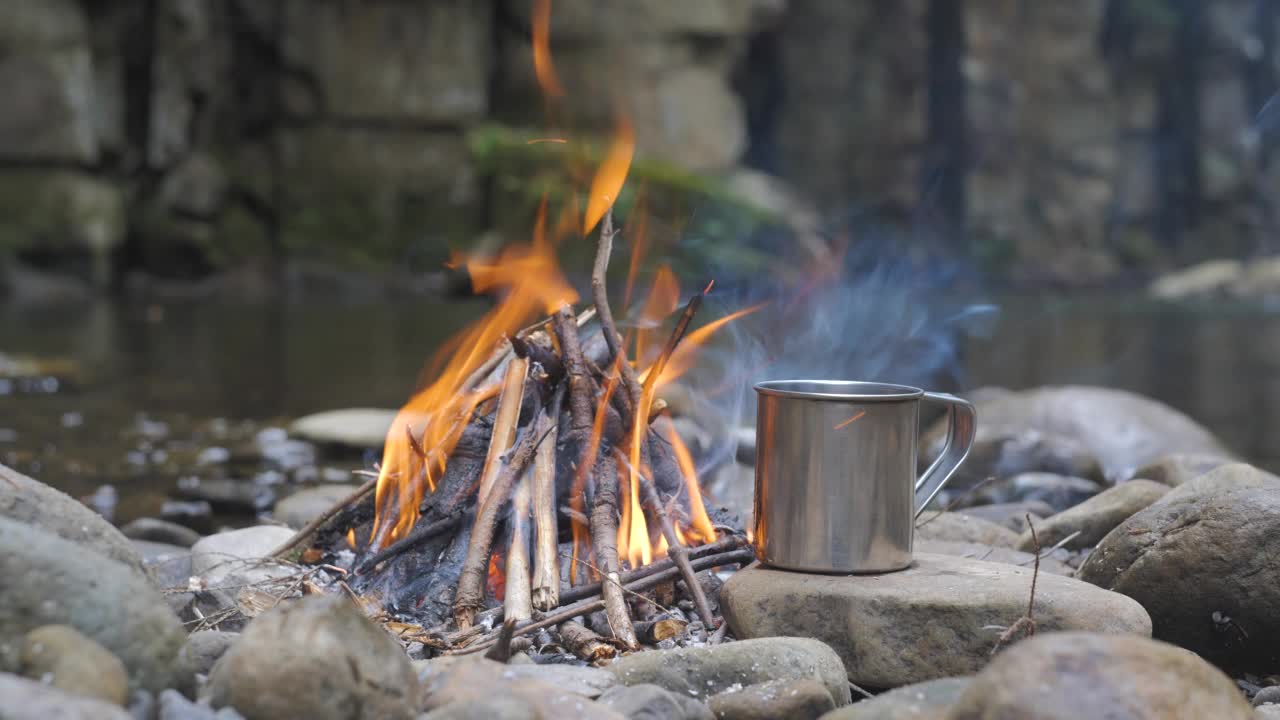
{"x":184,"y":136}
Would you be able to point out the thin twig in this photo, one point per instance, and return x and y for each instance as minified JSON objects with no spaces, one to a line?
{"x":585,"y":607}
{"x":415,"y":538}
{"x":1026,"y":625}
{"x":955,"y":501}
{"x":1056,"y":547}
{"x":600,"y":296}
{"x":323,"y":519}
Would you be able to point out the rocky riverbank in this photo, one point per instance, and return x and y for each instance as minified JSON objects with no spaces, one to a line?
{"x":1149,"y":546}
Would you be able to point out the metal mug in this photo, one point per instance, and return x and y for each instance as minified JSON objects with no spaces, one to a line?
{"x":836,"y":487}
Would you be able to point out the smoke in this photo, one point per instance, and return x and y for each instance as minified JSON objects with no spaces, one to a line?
{"x":882,"y":309}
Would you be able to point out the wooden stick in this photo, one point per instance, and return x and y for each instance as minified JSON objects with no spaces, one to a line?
{"x":659,"y":629}
{"x":313,"y":527}
{"x":600,"y":296}
{"x":604,"y":536}
{"x":416,"y":537}
{"x":470,"y":593}
{"x":585,"y":607}
{"x":501,"y":651}
{"x":580,"y":411}
{"x":540,"y":354}
{"x":546,"y":573}
{"x":517,"y":600}
{"x":584,"y":643}
{"x":675,"y":549}
{"x":505,"y":421}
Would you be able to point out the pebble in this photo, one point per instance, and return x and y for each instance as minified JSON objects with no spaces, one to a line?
{"x":1267,"y":695}
{"x":467,"y":686}
{"x":24,"y":699}
{"x":160,"y":531}
{"x":1087,"y":675}
{"x":699,"y":672}
{"x":1011,"y":515}
{"x":1057,"y":491}
{"x":63,"y":658}
{"x":204,"y":647}
{"x":170,"y":565}
{"x":173,"y":706}
{"x":650,"y":702}
{"x":798,"y":699}
{"x":939,"y":618}
{"x":227,"y":495}
{"x":317,"y":658}
{"x":928,"y":700}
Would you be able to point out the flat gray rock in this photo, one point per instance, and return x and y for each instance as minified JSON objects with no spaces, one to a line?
{"x":23,"y":699}
{"x":1092,"y":519}
{"x":476,"y":687}
{"x":30,"y":501}
{"x":1012,"y":515}
{"x":957,"y":527}
{"x":934,"y":619}
{"x":363,"y":428}
{"x":1061,"y":676}
{"x":241,"y":554}
{"x":1055,"y":563}
{"x":62,"y":583}
{"x":700,"y":672}
{"x":1205,"y":567}
{"x":929,"y":700}
{"x":310,"y":503}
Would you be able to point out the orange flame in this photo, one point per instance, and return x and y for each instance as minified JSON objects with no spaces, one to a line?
{"x":699,"y":521}
{"x":611,"y":175}
{"x":542,"y":67}
{"x":686,"y":352}
{"x":533,"y":284}
{"x":351,"y":538}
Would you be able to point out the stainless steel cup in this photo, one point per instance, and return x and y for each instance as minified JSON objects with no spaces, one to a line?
{"x":836,"y":487}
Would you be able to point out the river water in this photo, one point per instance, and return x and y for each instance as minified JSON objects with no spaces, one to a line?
{"x":157,"y":384}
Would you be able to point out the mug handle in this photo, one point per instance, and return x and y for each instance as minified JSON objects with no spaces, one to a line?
{"x":962,"y":425}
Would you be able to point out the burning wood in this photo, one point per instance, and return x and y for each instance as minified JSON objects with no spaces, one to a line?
{"x":538,"y":479}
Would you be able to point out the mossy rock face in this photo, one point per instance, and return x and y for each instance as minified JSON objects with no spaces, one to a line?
{"x":375,"y":198}
{"x":61,"y":214}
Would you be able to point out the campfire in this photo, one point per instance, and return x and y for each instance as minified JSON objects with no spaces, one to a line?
{"x":539,"y":478}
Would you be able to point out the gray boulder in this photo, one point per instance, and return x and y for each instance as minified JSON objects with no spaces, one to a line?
{"x":801,"y":699}
{"x":650,"y":702}
{"x":929,"y":700}
{"x":1204,"y":568}
{"x":173,"y":706}
{"x":469,"y":687}
{"x":1174,"y":470}
{"x":30,"y":501}
{"x":59,"y":656}
{"x":939,"y":618}
{"x":957,"y":527}
{"x":318,"y":658}
{"x":1225,"y":477}
{"x":700,"y":672}
{"x":1056,"y":676}
{"x":64,"y":584}
{"x":23,"y":699}
{"x":1123,"y":430}
{"x":1092,"y":519}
